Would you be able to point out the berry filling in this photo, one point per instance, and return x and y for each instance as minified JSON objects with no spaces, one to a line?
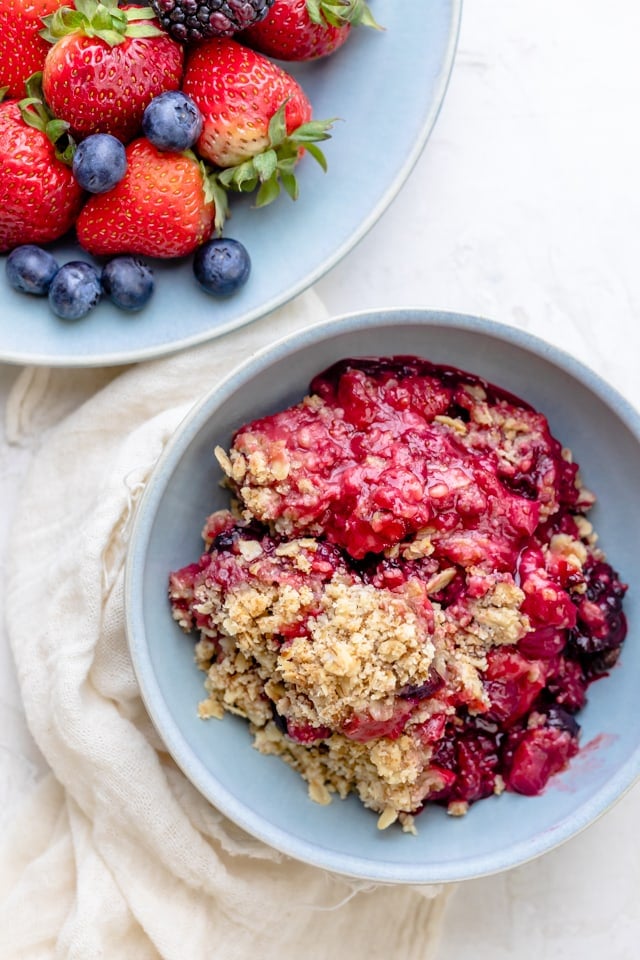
{"x":408,"y":601}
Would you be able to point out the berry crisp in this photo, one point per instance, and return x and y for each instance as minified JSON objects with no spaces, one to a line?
{"x":405,"y":597}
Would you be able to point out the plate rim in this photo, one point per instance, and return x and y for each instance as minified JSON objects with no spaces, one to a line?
{"x":183,"y":754}
{"x":123,"y":358}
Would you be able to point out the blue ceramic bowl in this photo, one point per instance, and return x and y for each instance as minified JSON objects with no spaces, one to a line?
{"x":387,"y":88}
{"x":262,"y":794}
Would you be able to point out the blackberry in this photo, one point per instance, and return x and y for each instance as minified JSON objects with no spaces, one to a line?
{"x":602,"y":625}
{"x":188,"y":20}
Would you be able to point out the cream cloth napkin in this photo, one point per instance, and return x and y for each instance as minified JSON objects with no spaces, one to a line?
{"x":116,"y":855}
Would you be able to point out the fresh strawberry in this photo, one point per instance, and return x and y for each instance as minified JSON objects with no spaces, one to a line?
{"x":307,"y":29}
{"x":106,"y":64}
{"x":39,"y":197}
{"x":22,"y":49}
{"x":257,"y":118}
{"x":163,"y":207}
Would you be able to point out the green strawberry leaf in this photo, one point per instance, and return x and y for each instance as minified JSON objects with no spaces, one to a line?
{"x":56,"y":129}
{"x":216,"y":192}
{"x":35,"y":113}
{"x":313,"y":131}
{"x":243,"y":178}
{"x":104,"y":20}
{"x":288,"y":164}
{"x":315,"y":12}
{"x":338,"y":13}
{"x":32,"y":107}
{"x":112,"y":37}
{"x":265,"y":164}
{"x":58,"y":24}
{"x":366,"y":19}
{"x":317,"y":155}
{"x":277,"y":131}
{"x":226,"y":176}
{"x":243,"y":181}
{"x":33,"y":86}
{"x":289,"y":183}
{"x":65,"y":148}
{"x":267,"y":193}
{"x":32,"y":116}
{"x":143,"y":30}
{"x":86,"y":7}
{"x":140,"y":13}
{"x":221,"y":203}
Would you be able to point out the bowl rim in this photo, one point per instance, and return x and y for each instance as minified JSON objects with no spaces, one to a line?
{"x":194,"y":769}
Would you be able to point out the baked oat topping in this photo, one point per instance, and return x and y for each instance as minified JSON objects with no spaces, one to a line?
{"x":405,"y":600}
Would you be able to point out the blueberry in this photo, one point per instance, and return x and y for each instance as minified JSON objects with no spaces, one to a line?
{"x":221,"y":266}
{"x":99,"y":163}
{"x":128,"y":282}
{"x":562,"y":720}
{"x":31,"y":269}
{"x":75,"y":290}
{"x":172,"y":121}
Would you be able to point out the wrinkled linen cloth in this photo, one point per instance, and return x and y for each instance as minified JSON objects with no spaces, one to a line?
{"x":115,"y":854}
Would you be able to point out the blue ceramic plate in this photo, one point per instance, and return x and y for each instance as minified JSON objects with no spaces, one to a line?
{"x":387,"y":87}
{"x":261,"y":793}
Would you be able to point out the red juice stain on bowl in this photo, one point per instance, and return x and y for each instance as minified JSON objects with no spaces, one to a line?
{"x":590,"y":758}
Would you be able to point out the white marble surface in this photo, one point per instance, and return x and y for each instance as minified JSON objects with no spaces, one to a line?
{"x":525,"y":208}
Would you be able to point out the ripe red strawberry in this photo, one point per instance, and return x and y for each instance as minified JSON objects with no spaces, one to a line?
{"x":163,"y":207}
{"x":22,"y":49}
{"x":307,"y":29}
{"x":106,"y":64}
{"x":257,"y":118}
{"x":39,"y":197}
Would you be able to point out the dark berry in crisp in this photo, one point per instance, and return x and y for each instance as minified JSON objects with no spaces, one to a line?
{"x":99,"y":163}
{"x":278,"y":719}
{"x":75,"y":290}
{"x":221,"y":266}
{"x":128,"y":282}
{"x":188,"y":20}
{"x":30,"y":269}
{"x":172,"y":121}
{"x":562,"y":720}
{"x":424,"y":690}
{"x":601,"y":623}
{"x":568,"y":683}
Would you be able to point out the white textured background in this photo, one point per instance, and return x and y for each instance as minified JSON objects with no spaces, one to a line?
{"x":525,"y":207}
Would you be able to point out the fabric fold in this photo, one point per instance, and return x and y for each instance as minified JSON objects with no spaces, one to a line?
{"x":126,"y":857}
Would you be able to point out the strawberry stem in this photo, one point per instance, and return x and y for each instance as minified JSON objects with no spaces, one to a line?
{"x":274,"y":167}
{"x":36,"y":114}
{"x":338,"y":13}
{"x":100,"y":18}
{"x":215,"y":191}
